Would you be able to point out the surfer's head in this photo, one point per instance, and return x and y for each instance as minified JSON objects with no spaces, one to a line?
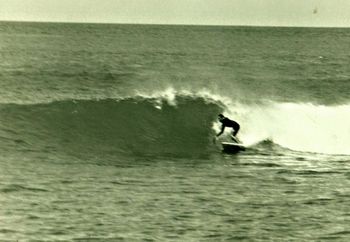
{"x":221,"y":117}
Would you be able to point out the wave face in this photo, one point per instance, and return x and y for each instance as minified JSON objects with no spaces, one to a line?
{"x":98,"y":128}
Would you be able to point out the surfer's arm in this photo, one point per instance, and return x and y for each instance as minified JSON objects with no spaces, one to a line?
{"x":222,"y":130}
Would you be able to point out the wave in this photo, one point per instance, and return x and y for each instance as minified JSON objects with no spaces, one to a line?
{"x":169,"y":123}
{"x":136,"y":126}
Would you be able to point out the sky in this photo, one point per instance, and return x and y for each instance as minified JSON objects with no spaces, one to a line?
{"x":312,"y":13}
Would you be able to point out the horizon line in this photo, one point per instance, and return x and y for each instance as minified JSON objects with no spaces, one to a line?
{"x":172,"y":24}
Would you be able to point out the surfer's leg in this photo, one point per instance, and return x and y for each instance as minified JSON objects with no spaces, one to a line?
{"x":235,"y":130}
{"x":233,"y":138}
{"x":234,"y":133}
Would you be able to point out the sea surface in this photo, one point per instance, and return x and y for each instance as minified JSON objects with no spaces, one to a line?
{"x":106,"y":133}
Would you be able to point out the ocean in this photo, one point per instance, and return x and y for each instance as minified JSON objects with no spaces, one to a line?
{"x":106,"y":133}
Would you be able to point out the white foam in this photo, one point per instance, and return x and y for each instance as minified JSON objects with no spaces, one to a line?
{"x":303,"y":126}
{"x":170,"y":94}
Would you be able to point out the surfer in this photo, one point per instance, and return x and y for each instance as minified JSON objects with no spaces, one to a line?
{"x":226,"y":122}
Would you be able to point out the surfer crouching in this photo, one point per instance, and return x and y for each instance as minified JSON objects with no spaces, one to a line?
{"x":226,"y":122}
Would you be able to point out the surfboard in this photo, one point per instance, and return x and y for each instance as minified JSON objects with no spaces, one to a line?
{"x":230,"y":147}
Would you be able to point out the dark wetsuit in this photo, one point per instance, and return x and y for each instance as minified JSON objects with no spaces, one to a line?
{"x":231,"y":124}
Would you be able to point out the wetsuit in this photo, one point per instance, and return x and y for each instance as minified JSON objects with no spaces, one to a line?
{"x":231,"y":124}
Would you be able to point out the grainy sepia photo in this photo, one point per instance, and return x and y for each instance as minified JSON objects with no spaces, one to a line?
{"x":174,"y":120}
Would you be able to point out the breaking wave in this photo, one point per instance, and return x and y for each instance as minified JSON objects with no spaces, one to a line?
{"x":167,"y":124}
